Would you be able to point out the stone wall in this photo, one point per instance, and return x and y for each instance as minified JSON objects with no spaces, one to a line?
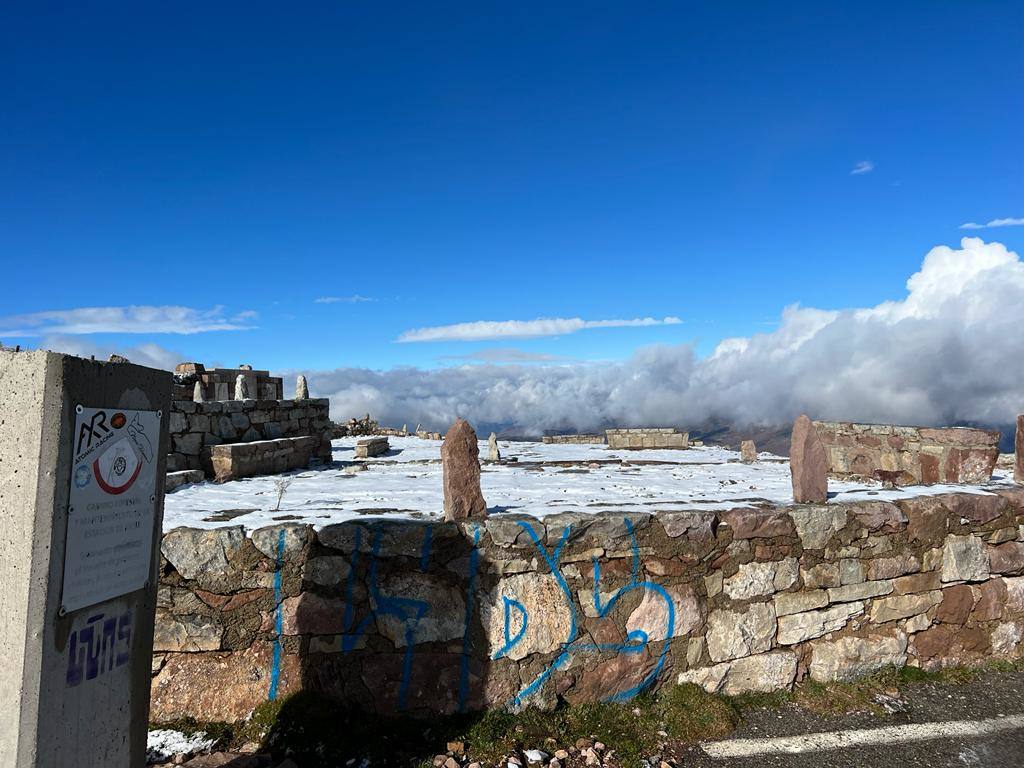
{"x":574,"y":439}
{"x":436,"y":617}
{"x":647,"y":438}
{"x":232,"y":461}
{"x":196,"y":427}
{"x":915,"y":455}
{"x":219,"y":383}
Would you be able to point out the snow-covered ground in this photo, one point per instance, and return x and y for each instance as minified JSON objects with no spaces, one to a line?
{"x":546,"y":479}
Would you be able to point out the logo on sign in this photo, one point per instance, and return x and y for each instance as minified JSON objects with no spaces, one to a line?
{"x":117,"y":467}
{"x":95,"y":429}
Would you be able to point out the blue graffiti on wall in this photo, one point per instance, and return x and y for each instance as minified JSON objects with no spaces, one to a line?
{"x":275,"y":668}
{"x":636,"y":641}
{"x":103,"y":644}
{"x":407,"y":610}
{"x":517,"y":621}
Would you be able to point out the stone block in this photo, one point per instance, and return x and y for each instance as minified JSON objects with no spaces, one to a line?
{"x":196,"y":553}
{"x":734,"y":634}
{"x":762,"y":578}
{"x":851,"y":657}
{"x":964,"y":559}
{"x":1006,"y":558}
{"x":188,"y":634}
{"x":189,"y":444}
{"x":787,"y":603}
{"x":799,"y":627}
{"x":763,"y":673}
{"x":177,"y":479}
{"x":863,"y":591}
{"x":903,"y":606}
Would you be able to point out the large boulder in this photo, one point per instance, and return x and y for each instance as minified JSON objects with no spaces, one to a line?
{"x":460,"y":464}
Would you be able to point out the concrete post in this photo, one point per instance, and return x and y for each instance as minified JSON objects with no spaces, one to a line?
{"x":82,"y":461}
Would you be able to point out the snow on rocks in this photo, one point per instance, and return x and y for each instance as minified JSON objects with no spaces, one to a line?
{"x":163,"y":744}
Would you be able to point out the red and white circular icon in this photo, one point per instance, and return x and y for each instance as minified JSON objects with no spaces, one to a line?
{"x":117,"y":467}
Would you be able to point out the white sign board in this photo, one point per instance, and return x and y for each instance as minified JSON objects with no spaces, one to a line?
{"x":112,"y":508}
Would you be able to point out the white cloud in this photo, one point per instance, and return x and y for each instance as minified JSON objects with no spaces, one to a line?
{"x":354,"y":299}
{"x":483,"y":330}
{"x":132,"y":319}
{"x":152,"y":355}
{"x":862,"y":166}
{"x":950,"y":351}
{"x":506,"y":355}
{"x":994,"y":223}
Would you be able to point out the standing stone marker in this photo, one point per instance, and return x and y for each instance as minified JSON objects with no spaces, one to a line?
{"x":493,"y":454}
{"x":748,"y":452}
{"x":808,"y":464}
{"x":301,"y":388}
{"x":460,"y":464}
{"x":241,"y":388}
{"x":1018,"y":446}
{"x":197,"y":393}
{"x":83,"y":447}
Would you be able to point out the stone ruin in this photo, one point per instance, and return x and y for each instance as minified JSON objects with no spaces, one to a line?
{"x":213,"y":414}
{"x":903,"y":455}
{"x":648,"y":437}
{"x":221,"y":383}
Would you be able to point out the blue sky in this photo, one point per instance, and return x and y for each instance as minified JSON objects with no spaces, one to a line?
{"x":457,"y":163}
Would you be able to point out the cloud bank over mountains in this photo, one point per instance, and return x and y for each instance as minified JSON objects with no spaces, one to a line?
{"x":950,"y":351}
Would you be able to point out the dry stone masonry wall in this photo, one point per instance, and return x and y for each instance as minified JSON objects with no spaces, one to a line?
{"x":511,"y":611}
{"x":198,"y":426}
{"x":647,"y":438}
{"x":909,"y":455}
{"x":574,"y":439}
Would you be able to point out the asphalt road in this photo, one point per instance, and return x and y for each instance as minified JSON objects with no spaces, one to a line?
{"x":987,"y":698}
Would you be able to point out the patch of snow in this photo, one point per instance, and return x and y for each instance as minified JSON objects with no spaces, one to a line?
{"x":163,"y":744}
{"x":405,"y":483}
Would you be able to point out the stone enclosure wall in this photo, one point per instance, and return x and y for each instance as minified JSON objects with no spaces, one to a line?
{"x":575,"y":439}
{"x":197,"y":426}
{"x":914,"y":455}
{"x":647,"y":438}
{"x":512,"y":611}
{"x":232,"y":461}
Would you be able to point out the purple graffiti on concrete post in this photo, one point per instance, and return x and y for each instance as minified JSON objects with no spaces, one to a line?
{"x":102,"y":645}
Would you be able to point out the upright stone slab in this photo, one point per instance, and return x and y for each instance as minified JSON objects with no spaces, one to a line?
{"x":301,"y":388}
{"x":1018,"y":465}
{"x":82,"y":451}
{"x":808,"y":464}
{"x":460,"y":464}
{"x":748,"y":452}
{"x":241,"y":387}
{"x":493,"y":453}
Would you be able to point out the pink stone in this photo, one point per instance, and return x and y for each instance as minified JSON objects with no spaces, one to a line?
{"x":1018,"y":469}
{"x":1006,"y":558}
{"x":808,"y":464}
{"x":460,"y":465}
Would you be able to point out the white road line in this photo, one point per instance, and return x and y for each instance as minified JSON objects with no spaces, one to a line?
{"x":814,"y":742}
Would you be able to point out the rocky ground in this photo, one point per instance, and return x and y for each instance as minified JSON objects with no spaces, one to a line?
{"x":681,"y":727}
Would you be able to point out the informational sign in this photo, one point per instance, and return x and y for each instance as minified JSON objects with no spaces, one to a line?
{"x":112,"y":507}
